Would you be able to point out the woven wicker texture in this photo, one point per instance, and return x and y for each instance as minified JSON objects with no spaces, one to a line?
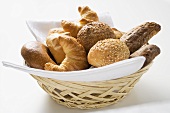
{"x":88,"y":95}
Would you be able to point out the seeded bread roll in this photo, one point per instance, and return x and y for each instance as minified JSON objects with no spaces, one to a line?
{"x":92,"y":32}
{"x":140,"y":35}
{"x":108,"y":51}
{"x":148,"y":51}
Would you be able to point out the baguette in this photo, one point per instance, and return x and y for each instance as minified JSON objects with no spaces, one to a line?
{"x":140,"y":35}
{"x":148,"y":51}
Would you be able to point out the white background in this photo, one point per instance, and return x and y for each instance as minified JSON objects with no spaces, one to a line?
{"x":20,"y":93}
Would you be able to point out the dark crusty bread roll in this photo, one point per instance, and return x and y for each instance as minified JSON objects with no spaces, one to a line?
{"x":148,"y":51}
{"x":93,"y":32}
{"x":36,"y":54}
{"x":140,"y":35}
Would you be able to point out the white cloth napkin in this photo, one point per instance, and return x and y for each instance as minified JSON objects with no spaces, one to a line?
{"x":41,"y":28}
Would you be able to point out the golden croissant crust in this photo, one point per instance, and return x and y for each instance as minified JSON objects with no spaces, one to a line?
{"x":55,"y":48}
{"x":87,"y":15}
{"x":75,"y":55}
{"x":71,"y":27}
{"x":52,"y":44}
{"x":57,"y":30}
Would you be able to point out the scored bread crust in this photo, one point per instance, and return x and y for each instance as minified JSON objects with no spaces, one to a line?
{"x":140,"y":35}
{"x":149,"y":51}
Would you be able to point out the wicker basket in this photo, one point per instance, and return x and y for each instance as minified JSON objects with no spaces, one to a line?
{"x":89,"y":95}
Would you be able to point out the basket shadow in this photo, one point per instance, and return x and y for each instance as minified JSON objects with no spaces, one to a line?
{"x":53,"y":107}
{"x":135,"y":97}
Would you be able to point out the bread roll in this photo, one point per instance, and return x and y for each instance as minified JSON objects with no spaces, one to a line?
{"x":107,"y":51}
{"x":36,"y":54}
{"x":92,"y":32}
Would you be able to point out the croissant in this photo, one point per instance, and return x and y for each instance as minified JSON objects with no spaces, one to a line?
{"x":118,"y":33}
{"x":55,"y":48}
{"x":75,"y":55}
{"x":87,"y":15}
{"x":51,"y":43}
{"x":57,"y":30}
{"x":71,"y":27}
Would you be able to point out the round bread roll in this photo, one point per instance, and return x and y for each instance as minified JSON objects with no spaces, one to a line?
{"x":92,"y":32}
{"x":36,"y":54}
{"x":108,"y":51}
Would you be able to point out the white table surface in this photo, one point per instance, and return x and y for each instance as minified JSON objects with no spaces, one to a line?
{"x":20,"y":93}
